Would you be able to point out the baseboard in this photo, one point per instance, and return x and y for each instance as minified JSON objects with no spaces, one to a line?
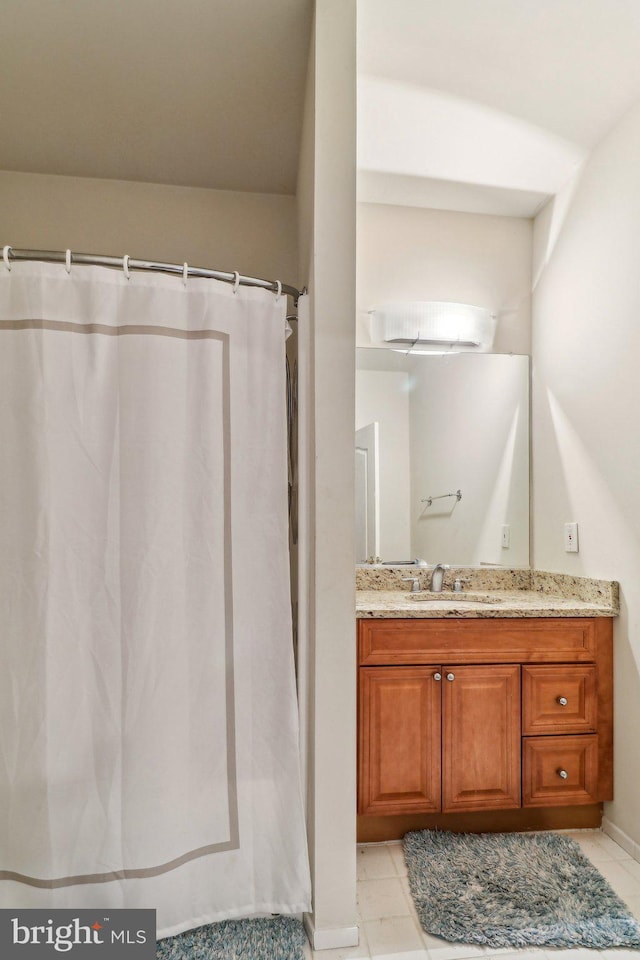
{"x":332,"y":938}
{"x":621,"y":838}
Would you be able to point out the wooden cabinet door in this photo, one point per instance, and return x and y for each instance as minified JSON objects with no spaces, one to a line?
{"x":399,"y":740}
{"x":481,"y":737}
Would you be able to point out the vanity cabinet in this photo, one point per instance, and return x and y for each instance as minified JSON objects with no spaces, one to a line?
{"x":483,"y":714}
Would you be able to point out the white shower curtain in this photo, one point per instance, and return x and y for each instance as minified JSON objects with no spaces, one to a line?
{"x":147,"y":705}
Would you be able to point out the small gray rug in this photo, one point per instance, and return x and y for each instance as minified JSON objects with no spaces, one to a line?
{"x":269,"y":938}
{"x":514,"y":890}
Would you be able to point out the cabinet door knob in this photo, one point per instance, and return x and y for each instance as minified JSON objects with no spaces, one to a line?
{"x":437,"y":676}
{"x":563,"y":701}
{"x":563,"y":774}
{"x":451,"y":676}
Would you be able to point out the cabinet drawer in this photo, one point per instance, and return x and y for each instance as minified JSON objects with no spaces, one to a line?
{"x":559,"y":771}
{"x":559,"y":699}
{"x":418,"y":641}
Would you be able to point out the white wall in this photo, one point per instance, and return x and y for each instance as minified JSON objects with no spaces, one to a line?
{"x":250,"y":232}
{"x":326,"y":208}
{"x":382,"y":396}
{"x":469,"y":417}
{"x":410,"y":253}
{"x":586,"y":393}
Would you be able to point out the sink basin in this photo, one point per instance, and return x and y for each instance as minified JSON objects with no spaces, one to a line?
{"x":451,"y":596}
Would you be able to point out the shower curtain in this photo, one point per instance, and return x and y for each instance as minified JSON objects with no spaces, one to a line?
{"x":147,"y":703}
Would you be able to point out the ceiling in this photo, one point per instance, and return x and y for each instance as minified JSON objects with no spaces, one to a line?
{"x":194,"y":93}
{"x":488,"y":106}
{"x":481,"y":105}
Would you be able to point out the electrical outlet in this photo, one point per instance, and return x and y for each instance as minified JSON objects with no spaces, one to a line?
{"x":506,"y":536}
{"x":571,"y":537}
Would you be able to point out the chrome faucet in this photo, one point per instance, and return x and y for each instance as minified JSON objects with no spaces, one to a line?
{"x":437,"y":576}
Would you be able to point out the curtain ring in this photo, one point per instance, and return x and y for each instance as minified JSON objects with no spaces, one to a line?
{"x":125,"y":266}
{"x":236,"y":281}
{"x":5,"y":257}
{"x":67,"y":261}
{"x":185,"y":272}
{"x":279,"y":290}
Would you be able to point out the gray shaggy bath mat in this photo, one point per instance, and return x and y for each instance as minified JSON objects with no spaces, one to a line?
{"x":269,"y":938}
{"x":514,"y":890}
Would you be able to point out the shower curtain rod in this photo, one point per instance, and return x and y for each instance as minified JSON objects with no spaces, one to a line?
{"x":128,"y":263}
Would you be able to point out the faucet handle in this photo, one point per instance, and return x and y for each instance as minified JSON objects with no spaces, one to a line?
{"x":415,"y":583}
{"x":458,"y":584}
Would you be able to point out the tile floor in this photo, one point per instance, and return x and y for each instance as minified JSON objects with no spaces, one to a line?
{"x":390,"y":930}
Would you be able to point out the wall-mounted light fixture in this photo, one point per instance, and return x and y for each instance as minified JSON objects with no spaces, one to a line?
{"x":433,"y":327}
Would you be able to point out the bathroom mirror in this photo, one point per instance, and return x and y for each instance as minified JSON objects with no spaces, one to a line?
{"x":428,"y":427}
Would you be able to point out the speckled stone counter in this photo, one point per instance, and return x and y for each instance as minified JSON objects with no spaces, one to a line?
{"x":381,"y":592}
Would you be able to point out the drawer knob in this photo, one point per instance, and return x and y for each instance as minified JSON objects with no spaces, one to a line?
{"x":451,"y":676}
{"x":563,"y":701}
{"x":437,"y":676}
{"x":563,"y":774}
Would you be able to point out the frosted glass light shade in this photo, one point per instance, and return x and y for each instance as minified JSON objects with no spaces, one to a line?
{"x":434,"y":326}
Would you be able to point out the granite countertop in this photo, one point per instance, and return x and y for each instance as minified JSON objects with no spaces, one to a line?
{"x":521,"y":593}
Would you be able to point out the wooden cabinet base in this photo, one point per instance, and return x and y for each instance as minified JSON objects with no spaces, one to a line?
{"x":379,"y":829}
{"x":440,"y":736}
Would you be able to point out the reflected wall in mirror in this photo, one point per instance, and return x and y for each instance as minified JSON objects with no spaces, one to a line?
{"x":427,"y":426}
